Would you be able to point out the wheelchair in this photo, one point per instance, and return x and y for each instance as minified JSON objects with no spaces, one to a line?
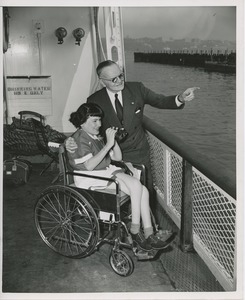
{"x":75,"y":222}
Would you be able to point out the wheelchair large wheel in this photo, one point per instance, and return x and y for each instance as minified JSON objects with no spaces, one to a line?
{"x":121,"y":263}
{"x":67,"y":222}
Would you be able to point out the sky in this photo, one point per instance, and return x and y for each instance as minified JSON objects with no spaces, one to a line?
{"x":206,"y":23}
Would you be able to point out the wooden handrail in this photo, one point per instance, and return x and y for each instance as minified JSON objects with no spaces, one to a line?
{"x":222,"y":177}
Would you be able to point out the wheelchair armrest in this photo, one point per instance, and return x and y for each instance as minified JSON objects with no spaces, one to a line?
{"x":141,"y":167}
{"x":121,"y":164}
{"x":74,"y":173}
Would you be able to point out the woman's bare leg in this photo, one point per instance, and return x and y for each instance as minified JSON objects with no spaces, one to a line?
{"x":145,"y":208}
{"x":131,"y":186}
{"x":139,"y":198}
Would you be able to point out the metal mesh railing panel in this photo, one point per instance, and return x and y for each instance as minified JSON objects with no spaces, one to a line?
{"x":174,"y":179}
{"x":214,"y":211}
{"x":214,"y":221}
{"x":157,"y":162}
{"x":166,"y":167}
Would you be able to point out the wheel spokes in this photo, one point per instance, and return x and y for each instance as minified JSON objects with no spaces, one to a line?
{"x":66,"y":222}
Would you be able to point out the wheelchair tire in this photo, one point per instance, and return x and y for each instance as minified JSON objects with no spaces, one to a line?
{"x":67,"y":222}
{"x":121,"y":263}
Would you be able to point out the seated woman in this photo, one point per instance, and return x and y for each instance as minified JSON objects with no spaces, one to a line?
{"x":93,"y":156}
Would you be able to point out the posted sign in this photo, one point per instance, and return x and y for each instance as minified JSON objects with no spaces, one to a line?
{"x":29,"y":93}
{"x":29,"y":88}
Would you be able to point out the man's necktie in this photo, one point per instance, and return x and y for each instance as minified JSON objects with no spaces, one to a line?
{"x":119,"y":108}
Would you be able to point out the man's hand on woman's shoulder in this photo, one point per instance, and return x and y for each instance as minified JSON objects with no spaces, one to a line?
{"x":70,"y":145}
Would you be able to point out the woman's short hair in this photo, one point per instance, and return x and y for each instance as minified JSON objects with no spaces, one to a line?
{"x":85,"y":111}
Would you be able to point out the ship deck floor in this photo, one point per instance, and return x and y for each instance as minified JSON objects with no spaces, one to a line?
{"x":29,"y":266}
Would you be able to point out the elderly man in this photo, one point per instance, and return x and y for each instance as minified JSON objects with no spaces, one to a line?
{"x":123,"y":105}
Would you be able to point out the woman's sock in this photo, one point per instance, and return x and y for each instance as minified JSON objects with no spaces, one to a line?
{"x":135,"y":228}
{"x":148,"y":231}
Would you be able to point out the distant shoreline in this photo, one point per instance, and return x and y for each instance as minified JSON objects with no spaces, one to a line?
{"x":218,"y":62}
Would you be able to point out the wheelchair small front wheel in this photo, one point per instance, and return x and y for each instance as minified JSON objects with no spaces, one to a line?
{"x":121,"y":263}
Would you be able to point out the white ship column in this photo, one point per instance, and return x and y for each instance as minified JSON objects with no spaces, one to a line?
{"x":114,"y":35}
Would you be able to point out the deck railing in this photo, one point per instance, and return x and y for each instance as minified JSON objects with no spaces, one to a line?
{"x":200,"y":197}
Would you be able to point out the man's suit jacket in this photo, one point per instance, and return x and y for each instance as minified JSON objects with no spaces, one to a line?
{"x":135,"y":95}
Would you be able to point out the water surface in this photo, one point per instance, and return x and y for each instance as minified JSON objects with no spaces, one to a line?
{"x":208,"y":123}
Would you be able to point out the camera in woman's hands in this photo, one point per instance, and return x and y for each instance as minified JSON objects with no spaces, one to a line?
{"x":121,"y":135}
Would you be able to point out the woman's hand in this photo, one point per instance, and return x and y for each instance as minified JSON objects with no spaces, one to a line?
{"x":110,"y":137}
{"x":92,"y":162}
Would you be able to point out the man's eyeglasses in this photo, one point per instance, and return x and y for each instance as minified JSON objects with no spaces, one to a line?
{"x":115,"y":79}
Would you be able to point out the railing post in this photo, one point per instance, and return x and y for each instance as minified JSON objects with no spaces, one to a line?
{"x":186,"y":236}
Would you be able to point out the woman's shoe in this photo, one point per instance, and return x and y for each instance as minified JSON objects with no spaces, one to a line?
{"x":158,"y":244}
{"x":164,"y":235}
{"x":140,"y":241}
